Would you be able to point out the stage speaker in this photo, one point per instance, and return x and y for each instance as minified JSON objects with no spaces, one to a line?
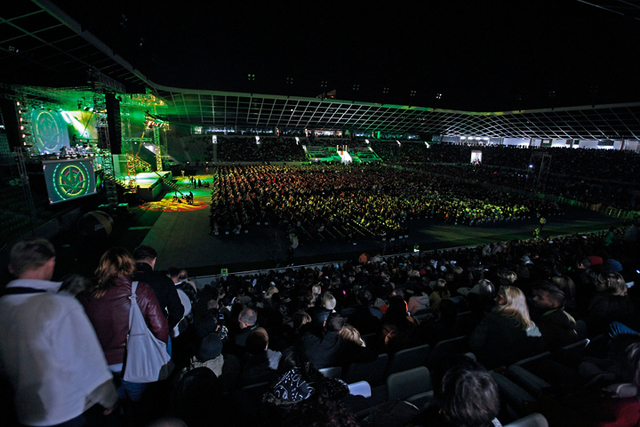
{"x":114,"y":122}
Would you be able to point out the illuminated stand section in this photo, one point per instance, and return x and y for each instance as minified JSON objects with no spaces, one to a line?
{"x":69,"y":179}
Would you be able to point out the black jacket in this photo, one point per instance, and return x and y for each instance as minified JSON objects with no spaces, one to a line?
{"x":164,"y":289}
{"x":329,"y":349}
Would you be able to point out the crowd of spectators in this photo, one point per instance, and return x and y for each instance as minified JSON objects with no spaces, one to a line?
{"x":269,"y":149}
{"x":355,"y":201}
{"x":519,"y":298}
{"x":605,"y":177}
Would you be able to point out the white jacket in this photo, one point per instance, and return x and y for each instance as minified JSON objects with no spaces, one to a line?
{"x":50,"y":353}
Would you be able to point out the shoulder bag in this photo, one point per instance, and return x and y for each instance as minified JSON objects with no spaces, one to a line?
{"x":146,"y":358}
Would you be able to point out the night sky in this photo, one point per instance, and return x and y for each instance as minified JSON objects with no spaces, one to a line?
{"x":479,"y":55}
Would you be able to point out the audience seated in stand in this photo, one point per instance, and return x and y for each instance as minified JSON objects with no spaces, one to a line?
{"x":380,"y":288}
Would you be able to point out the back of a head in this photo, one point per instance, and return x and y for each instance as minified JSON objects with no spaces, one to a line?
{"x":144,"y":253}
{"x":554,"y":292}
{"x":248,"y":316}
{"x":469,"y":395}
{"x":334,"y":323}
{"x":300,"y":318}
{"x":30,"y":254}
{"x":515,"y":306}
{"x":566,"y":285}
{"x":350,"y":333}
{"x":328,"y":301}
{"x":615,"y":283}
{"x":292,"y":357}
{"x":115,"y":262}
{"x":257,"y":341}
{"x":487,"y":290}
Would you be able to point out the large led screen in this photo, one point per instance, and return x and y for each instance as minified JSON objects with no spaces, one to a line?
{"x":50,"y":131}
{"x":69,"y":179}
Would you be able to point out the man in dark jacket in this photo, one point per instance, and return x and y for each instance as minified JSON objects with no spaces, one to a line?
{"x":162,"y":285}
{"x":556,"y":326}
{"x":326,"y":348}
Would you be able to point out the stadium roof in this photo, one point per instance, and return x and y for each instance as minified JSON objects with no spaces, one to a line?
{"x":41,"y":45}
{"x":220,"y":109}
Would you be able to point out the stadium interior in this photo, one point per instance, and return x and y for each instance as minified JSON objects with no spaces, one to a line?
{"x":259,"y":194}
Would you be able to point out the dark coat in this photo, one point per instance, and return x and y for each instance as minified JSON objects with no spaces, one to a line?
{"x":164,"y":289}
{"x":500,"y":341}
{"x":606,"y":308}
{"x":109,"y":316}
{"x":329,"y":349}
{"x":557,"y":328}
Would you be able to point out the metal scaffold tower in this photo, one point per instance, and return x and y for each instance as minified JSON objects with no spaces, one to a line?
{"x":105,"y":142}
{"x":26,"y":188}
{"x":158,"y":146}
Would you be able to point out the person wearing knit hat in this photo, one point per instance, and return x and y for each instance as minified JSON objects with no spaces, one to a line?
{"x":612,"y":266}
{"x":208,"y":355}
{"x":595,"y":260}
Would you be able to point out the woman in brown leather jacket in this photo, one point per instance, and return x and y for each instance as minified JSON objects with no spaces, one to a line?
{"x":108,"y":307}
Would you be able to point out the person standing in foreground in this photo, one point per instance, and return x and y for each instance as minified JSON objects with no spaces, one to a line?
{"x":162,"y":286}
{"x":48,"y":348}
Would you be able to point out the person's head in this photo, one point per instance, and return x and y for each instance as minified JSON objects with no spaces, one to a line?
{"x":613,"y":283}
{"x":210,"y":347}
{"x":566,"y":285}
{"x":115,"y":262}
{"x":469,"y":395}
{"x":328,"y":301}
{"x":32,"y":258}
{"x":583,"y":264}
{"x":441,"y":288}
{"x":487,"y":290}
{"x":168,"y":422}
{"x":508,"y":276}
{"x":74,"y":284}
{"x":146,"y":254}
{"x":247,"y":318}
{"x":334,"y":323}
{"x":292,"y":357}
{"x":300,"y":318}
{"x":316,"y":290}
{"x":512,"y":303}
{"x":174,"y":273}
{"x":349,"y":333}
{"x":257,"y":341}
{"x":547,"y":296}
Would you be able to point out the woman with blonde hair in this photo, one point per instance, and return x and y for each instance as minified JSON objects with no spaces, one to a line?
{"x":108,"y":307}
{"x":506,"y":334}
{"x":350,"y":333}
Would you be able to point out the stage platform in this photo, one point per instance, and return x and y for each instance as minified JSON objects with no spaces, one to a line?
{"x":150,"y":185}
